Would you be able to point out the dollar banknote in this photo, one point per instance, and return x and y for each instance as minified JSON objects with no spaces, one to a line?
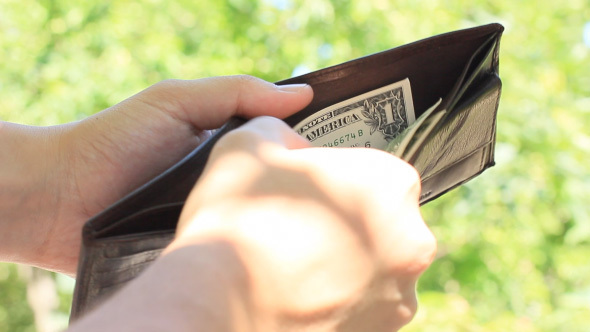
{"x":372,"y":119}
{"x":406,"y":143}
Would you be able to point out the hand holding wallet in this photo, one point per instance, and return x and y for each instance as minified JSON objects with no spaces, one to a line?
{"x":447,"y":133}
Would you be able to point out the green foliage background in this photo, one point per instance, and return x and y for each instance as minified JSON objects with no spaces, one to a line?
{"x":514,"y":244}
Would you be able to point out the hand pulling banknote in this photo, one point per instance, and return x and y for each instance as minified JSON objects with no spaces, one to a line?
{"x":382,"y":119}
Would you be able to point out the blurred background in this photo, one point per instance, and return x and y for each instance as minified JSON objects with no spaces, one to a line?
{"x":514,"y":244}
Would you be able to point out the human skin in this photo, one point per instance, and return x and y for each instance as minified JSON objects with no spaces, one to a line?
{"x":294,"y":239}
{"x":276,"y":235}
{"x":53,"y":179}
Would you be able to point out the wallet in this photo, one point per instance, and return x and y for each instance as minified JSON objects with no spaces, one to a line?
{"x":453,"y":77}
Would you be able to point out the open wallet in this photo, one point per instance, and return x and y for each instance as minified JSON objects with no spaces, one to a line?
{"x":433,"y":103}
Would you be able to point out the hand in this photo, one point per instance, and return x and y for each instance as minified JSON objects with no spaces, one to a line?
{"x":280,"y":237}
{"x":326,"y":239}
{"x":93,"y":163}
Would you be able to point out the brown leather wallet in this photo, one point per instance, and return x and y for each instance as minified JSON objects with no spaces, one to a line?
{"x":460,"y":67}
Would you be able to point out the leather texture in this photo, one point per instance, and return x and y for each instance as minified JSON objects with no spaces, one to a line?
{"x":460,"y":67}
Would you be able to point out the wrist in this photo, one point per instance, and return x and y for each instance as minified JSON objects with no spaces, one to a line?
{"x":29,"y":190}
{"x":215,"y":284}
{"x":198,"y":287}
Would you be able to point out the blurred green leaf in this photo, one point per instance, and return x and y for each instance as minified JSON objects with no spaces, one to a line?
{"x":513,"y":244}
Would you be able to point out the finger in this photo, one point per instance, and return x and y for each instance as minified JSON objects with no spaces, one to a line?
{"x":251,"y":146}
{"x":262,"y":138}
{"x":268,"y":130}
{"x":413,"y":253}
{"x":210,"y":102}
{"x":386,"y":188}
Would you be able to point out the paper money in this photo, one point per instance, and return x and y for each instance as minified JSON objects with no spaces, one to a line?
{"x":412,"y":137}
{"x":372,"y":119}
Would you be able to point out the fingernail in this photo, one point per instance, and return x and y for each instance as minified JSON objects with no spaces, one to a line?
{"x":293,"y":88}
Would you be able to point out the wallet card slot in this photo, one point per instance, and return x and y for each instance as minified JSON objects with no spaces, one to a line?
{"x":471,"y":127}
{"x":128,"y":245}
{"x":482,"y":64}
{"x":110,"y":263}
{"x":154,"y":219}
{"x":102,"y":285}
{"x":118,"y":265}
{"x":465,"y":169}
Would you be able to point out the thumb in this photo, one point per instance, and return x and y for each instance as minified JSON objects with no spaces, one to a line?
{"x":208,"y":103}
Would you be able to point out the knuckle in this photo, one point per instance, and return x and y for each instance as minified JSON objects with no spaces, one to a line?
{"x":266,"y":123}
{"x":425,"y":252}
{"x":419,"y":249}
{"x":400,"y":174}
{"x":245,"y":79}
{"x":251,"y":135}
{"x":162,"y":96}
{"x":166,"y":85}
{"x":235,"y":139}
{"x":408,"y":309}
{"x":412,"y":178}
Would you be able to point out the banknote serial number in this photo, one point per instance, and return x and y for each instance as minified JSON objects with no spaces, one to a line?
{"x":344,"y":139}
